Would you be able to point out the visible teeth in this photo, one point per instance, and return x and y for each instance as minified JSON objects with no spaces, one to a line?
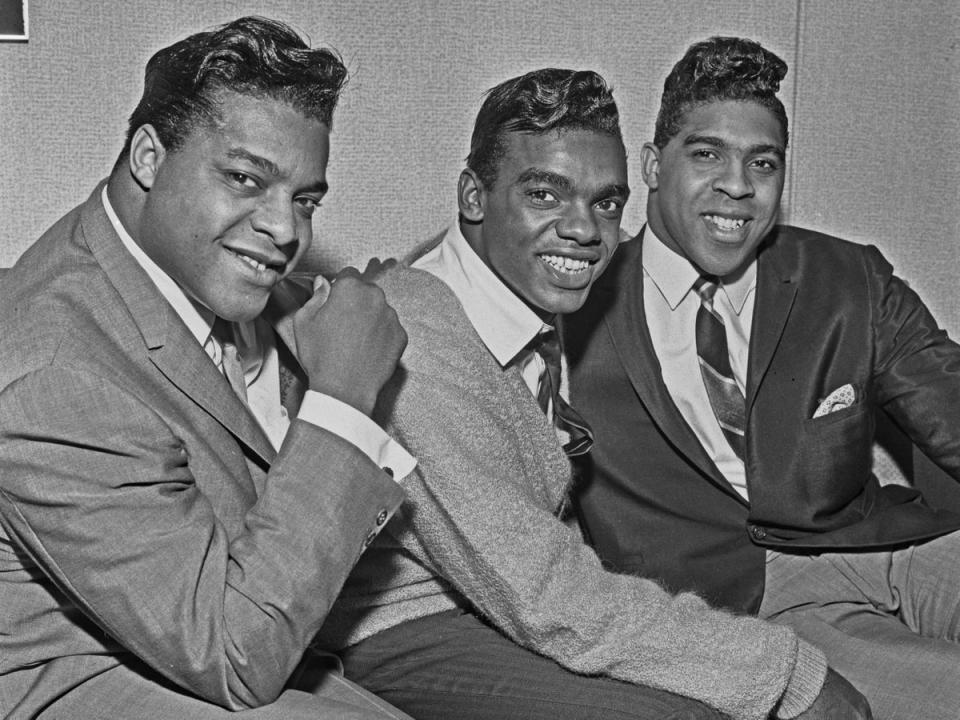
{"x":726,"y":223}
{"x":250,"y":261}
{"x":565,"y":264}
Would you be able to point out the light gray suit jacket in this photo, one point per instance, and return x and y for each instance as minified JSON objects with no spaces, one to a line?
{"x":145,"y":515}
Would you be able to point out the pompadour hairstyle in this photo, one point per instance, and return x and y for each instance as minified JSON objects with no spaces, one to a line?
{"x":253,"y":56}
{"x":720,"y":68}
{"x":538,"y":102}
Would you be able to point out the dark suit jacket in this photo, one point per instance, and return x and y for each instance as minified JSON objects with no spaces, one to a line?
{"x":827,"y":313}
{"x":144,"y":513}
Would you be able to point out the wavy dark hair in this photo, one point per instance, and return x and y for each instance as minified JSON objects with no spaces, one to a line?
{"x":720,"y":68}
{"x":252,"y":55}
{"x":538,"y":102}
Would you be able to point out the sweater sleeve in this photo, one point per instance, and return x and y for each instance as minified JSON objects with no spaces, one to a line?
{"x":482,"y":515}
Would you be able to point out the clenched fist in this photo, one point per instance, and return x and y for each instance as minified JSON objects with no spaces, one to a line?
{"x":349,"y":339}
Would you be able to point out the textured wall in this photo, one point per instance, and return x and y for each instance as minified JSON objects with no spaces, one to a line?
{"x":872,"y":95}
{"x":877,"y":135}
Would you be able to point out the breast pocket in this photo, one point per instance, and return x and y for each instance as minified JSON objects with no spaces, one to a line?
{"x":835,"y":456}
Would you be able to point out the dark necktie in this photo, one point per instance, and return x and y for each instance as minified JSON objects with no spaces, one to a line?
{"x":725,"y":397}
{"x":547,"y":346}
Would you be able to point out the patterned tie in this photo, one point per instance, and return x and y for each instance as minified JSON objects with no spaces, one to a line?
{"x":229,"y":361}
{"x":725,"y":397}
{"x":547,"y":346}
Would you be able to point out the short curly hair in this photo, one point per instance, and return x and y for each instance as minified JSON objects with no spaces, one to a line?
{"x":537,"y":102}
{"x":720,"y":68}
{"x":252,"y":55}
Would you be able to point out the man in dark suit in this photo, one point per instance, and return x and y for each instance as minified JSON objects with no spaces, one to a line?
{"x":171,"y":537}
{"x":732,"y":369}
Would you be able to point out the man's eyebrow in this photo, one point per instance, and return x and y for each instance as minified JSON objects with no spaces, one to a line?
{"x":714,"y":141}
{"x":772,"y":149}
{"x":318,"y":187}
{"x":564,"y":183}
{"x":270,"y":167}
{"x":544,"y":176}
{"x":613,"y":190}
{"x":711,"y":140}
{"x":261,"y":162}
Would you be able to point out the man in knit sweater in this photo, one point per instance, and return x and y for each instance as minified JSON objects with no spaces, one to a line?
{"x":484,"y":602}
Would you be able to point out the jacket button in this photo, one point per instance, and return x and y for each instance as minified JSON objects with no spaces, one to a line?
{"x":370,"y":538}
{"x":381,"y":518}
{"x":758,"y":532}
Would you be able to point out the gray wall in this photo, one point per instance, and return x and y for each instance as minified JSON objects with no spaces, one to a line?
{"x":872,"y":95}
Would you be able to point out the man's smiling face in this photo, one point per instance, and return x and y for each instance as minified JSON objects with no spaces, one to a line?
{"x":228,"y":214}
{"x":715,"y":187}
{"x":550,"y":223}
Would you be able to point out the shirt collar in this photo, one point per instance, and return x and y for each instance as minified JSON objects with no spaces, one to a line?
{"x":503,"y":321}
{"x":198,"y":319}
{"x":674,"y":275}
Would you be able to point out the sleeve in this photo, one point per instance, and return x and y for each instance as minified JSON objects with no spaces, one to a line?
{"x":480,"y":520}
{"x":101,"y":493}
{"x":917,"y":366}
{"x":355,"y":427}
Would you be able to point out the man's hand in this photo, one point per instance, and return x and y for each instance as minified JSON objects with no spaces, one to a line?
{"x":375,"y":268}
{"x":349,"y":339}
{"x":839,"y":700}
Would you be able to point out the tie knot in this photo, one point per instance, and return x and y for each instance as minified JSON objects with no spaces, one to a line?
{"x":547,"y":344}
{"x":223,"y":331}
{"x":226,"y":355}
{"x":706,"y":287}
{"x":222,"y":342}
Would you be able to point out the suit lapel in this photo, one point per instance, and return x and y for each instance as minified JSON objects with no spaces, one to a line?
{"x":200,"y":380}
{"x":627,"y":326}
{"x":777,"y":283}
{"x":168,"y":342}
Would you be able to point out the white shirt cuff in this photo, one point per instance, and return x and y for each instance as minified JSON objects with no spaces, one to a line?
{"x":356,"y":428}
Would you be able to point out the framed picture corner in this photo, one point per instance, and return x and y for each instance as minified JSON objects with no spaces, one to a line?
{"x":14,"y":21}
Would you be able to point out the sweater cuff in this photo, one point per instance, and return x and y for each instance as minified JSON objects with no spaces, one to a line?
{"x":806,"y":681}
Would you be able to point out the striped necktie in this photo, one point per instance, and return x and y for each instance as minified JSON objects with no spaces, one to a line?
{"x":725,"y":397}
{"x":547,"y":346}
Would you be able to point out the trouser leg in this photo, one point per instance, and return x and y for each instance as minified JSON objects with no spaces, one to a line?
{"x":125,"y":693}
{"x":926,"y":578}
{"x":887,"y":621}
{"x":452,"y":665}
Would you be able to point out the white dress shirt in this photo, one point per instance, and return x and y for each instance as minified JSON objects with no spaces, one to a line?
{"x":504,"y":322}
{"x":256,"y":343}
{"x":671,"y":308}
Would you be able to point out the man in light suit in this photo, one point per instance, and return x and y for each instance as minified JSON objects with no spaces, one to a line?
{"x":745,"y":474}
{"x":171,"y":537}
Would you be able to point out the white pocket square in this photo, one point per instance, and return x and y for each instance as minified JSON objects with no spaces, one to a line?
{"x":839,"y":399}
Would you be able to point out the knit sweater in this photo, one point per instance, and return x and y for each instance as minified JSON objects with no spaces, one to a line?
{"x":480,"y":529}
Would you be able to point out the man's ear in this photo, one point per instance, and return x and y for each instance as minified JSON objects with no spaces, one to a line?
{"x":470,"y":196}
{"x":650,"y":165}
{"x":146,"y":155}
